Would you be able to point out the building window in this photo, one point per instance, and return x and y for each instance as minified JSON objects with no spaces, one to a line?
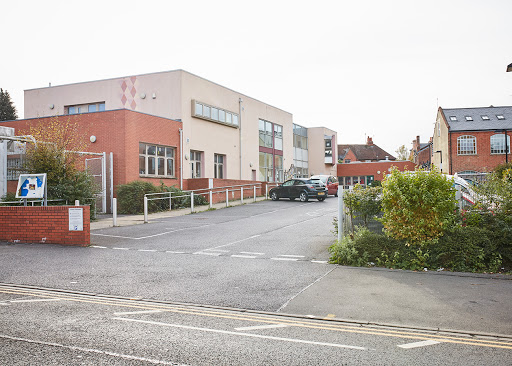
{"x":265,"y":133}
{"x":156,"y":160}
{"x":466,"y":145}
{"x":468,"y":118}
{"x":485,"y":118}
{"x":85,"y":108}
{"x":266,"y":167}
{"x":196,"y":158}
{"x":498,"y":145}
{"x":218,"y":166}
{"x":214,"y":114}
{"x":328,"y":149}
{"x":14,"y":168}
{"x":300,"y":152}
{"x":279,"y":168}
{"x":500,"y":117}
{"x":347,"y":161}
{"x":278,"y":137}
{"x":453,"y":118}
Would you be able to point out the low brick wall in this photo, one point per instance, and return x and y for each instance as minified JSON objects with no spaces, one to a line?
{"x":46,"y":225}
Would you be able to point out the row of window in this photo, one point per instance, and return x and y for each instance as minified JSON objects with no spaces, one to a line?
{"x":466,"y":145}
{"x":271,"y":135}
{"x":211,"y":113}
{"x":155,"y":160}
{"x":484,"y":118}
{"x":271,"y":168}
{"x":85,"y":108}
{"x":352,"y":181}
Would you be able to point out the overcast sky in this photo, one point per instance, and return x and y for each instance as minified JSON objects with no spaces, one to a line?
{"x":362,"y":68}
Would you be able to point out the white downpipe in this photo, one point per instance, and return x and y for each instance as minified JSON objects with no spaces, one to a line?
{"x":111,"y":180}
{"x":254,"y":193}
{"x":266,"y":191}
{"x":104,"y":182}
{"x":170,"y":201}
{"x":240,"y":132}
{"x":145,"y":210}
{"x":114,"y":212}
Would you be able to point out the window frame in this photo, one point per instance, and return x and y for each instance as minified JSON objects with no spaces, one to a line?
{"x":219,"y":167}
{"x":462,"y":143}
{"x":156,"y":158}
{"x":503,"y":144}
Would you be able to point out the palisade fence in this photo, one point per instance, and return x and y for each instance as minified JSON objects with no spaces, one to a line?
{"x":216,"y":194}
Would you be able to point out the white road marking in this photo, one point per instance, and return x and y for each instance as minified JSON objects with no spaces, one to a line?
{"x":252,"y":253}
{"x":242,"y":334}
{"x":323,"y":262}
{"x":139,"y":312}
{"x":243,"y":256}
{"x":418,"y":344}
{"x":150,"y":236}
{"x":268,"y":326}
{"x":90,"y":350}
{"x":170,"y":251}
{"x":235,"y":242}
{"x":121,"y":248}
{"x":291,"y":256}
{"x":97,"y":246}
{"x":218,"y":250}
{"x":285,"y":259}
{"x":35,"y":300}
{"x":146,"y":250}
{"x":207,"y":253}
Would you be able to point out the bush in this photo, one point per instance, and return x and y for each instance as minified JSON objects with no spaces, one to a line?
{"x":417,"y":206}
{"x":130,"y":198}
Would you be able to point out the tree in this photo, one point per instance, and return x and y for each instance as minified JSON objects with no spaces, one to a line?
{"x":53,"y":155}
{"x":417,"y":206}
{"x":495,"y":192}
{"x":7,"y":109}
{"x":402,"y":153}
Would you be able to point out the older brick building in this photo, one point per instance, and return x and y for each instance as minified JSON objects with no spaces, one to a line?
{"x":471,"y":140}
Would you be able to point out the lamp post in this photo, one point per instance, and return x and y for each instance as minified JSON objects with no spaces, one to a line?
{"x":441,"y":157}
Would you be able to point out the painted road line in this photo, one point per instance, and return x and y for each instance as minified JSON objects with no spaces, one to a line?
{"x":252,"y":253}
{"x":218,"y":250}
{"x":97,"y":246}
{"x":91,"y":350}
{"x":269,"y":326}
{"x":293,"y":340}
{"x":243,"y":256}
{"x":146,"y":250}
{"x":208,"y":253}
{"x":121,"y":248}
{"x":139,"y":312}
{"x":35,"y":300}
{"x":322,"y":262}
{"x":419,"y":344}
{"x":235,"y":242}
{"x":173,"y":252}
{"x":291,"y":256}
{"x":285,"y":259}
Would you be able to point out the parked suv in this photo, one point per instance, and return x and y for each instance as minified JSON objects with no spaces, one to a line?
{"x":300,"y":188}
{"x":329,"y":181}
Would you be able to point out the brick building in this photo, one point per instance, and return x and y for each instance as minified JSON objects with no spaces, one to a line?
{"x":470,"y":141}
{"x":365,"y":173}
{"x":421,"y":153}
{"x":349,"y":153}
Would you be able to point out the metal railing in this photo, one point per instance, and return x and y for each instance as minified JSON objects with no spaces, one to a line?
{"x":209,"y":192}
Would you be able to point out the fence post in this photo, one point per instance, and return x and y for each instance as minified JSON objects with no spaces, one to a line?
{"x":77,"y":203}
{"x":254,"y":193}
{"x":340,"y":213}
{"x":266,"y":191}
{"x":211,"y":199}
{"x":241,"y":195}
{"x":192,"y":202}
{"x":227,"y":197}
{"x":114,"y":211}
{"x":146,"y":209}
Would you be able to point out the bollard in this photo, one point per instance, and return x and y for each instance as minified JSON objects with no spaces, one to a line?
{"x":241,"y":195}
{"x":77,"y":203}
{"x":340,"y":213}
{"x":266,"y":191}
{"x":254,"y":193}
{"x":211,"y":199}
{"x":114,"y":212}
{"x":170,"y":201}
{"x":192,"y":202}
{"x":227,"y":197}
{"x":145,"y":210}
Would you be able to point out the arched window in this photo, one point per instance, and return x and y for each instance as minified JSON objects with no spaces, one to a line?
{"x":466,"y":145}
{"x":498,"y":144}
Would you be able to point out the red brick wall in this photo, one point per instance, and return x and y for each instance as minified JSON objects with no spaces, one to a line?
{"x":373,"y":168}
{"x":46,"y":225}
{"x":119,"y":132}
{"x":483,"y":161}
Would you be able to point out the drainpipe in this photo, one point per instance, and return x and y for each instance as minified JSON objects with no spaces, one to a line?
{"x":240,"y":132}
{"x":181,"y":159}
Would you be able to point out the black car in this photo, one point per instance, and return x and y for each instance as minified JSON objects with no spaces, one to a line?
{"x":300,"y":188}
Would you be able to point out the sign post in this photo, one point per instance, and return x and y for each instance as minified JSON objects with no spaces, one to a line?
{"x":32,"y":186}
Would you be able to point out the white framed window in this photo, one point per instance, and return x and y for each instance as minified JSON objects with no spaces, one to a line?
{"x":468,"y":118}
{"x":466,"y":145}
{"x":196,"y":163}
{"x":453,"y":118}
{"x":214,"y":114}
{"x":156,"y":160}
{"x":485,"y":118}
{"x":85,"y":108}
{"x":498,"y":145}
{"x":219,"y":166}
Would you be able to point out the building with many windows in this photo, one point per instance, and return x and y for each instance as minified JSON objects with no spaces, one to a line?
{"x":223,"y":135}
{"x":471,"y":141}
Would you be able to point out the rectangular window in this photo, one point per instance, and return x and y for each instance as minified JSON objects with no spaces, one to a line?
{"x":222,"y":116}
{"x":218,"y":166}
{"x":211,"y":113}
{"x":155,"y":160}
{"x":92,"y":108}
{"x":466,"y":145}
{"x":196,"y":158}
{"x":215,"y":114}
{"x":71,"y":110}
{"x":101,"y":107}
{"x":498,"y":145}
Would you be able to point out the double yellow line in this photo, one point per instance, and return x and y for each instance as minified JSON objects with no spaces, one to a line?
{"x":255,"y":317}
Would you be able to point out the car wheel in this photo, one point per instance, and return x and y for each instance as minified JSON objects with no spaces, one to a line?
{"x":321,"y":199}
{"x":274,"y":197}
{"x":303,"y":197}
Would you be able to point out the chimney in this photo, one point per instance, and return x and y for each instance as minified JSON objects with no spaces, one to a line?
{"x":369,"y":141}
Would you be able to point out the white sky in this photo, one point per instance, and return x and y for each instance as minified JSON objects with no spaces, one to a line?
{"x":376,"y":68}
